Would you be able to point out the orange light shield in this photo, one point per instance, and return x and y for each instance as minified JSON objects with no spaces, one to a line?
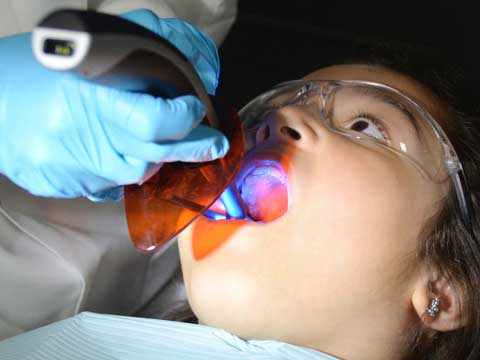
{"x":179,"y":192}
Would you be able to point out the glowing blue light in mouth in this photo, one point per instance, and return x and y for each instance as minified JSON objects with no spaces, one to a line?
{"x":259,"y":194}
{"x":215,"y":215}
{"x":264,"y":191}
{"x":233,"y":203}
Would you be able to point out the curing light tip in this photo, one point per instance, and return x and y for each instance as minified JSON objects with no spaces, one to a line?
{"x":233,"y":203}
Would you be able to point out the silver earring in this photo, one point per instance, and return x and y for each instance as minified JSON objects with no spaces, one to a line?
{"x":433,"y":308}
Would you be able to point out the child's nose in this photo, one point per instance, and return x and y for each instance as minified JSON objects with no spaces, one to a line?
{"x":290,"y":124}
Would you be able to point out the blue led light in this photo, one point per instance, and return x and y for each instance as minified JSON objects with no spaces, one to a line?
{"x":214,"y":215}
{"x":232,"y":203}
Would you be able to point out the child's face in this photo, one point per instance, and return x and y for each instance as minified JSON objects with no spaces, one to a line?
{"x":339,"y":258}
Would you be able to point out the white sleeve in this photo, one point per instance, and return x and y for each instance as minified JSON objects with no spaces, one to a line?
{"x":60,"y":257}
{"x":214,"y":17}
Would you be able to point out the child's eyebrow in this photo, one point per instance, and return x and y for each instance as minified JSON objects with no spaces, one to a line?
{"x":384,"y":98}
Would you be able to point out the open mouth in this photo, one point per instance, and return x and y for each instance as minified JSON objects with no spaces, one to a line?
{"x":262,"y":188}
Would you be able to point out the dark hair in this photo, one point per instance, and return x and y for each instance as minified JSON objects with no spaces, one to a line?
{"x":446,"y":243}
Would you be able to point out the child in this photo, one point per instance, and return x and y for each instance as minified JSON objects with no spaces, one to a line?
{"x":374,"y":259}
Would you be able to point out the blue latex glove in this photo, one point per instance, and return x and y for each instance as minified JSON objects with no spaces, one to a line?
{"x":61,"y":136}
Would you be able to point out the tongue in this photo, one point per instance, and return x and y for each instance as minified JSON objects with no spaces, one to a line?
{"x":265,"y":193}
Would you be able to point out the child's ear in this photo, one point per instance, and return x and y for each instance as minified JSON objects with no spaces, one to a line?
{"x":449,"y":314}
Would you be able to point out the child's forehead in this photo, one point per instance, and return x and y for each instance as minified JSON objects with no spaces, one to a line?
{"x":407,"y":85}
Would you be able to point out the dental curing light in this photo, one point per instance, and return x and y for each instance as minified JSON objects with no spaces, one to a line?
{"x":115,"y":52}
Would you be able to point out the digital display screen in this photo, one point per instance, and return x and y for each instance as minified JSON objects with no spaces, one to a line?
{"x":59,"y":47}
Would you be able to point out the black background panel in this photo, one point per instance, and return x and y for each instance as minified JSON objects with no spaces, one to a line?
{"x":274,"y":41}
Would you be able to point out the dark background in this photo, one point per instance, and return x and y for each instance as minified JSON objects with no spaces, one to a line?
{"x":274,"y":41}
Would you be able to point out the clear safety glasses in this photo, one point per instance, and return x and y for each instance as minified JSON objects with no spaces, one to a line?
{"x":369,"y":112}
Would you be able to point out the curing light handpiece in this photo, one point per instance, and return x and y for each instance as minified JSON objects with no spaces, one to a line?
{"x":115,"y":52}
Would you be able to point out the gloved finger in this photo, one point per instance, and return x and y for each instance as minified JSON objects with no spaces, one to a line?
{"x":202,"y":144}
{"x":144,"y":172}
{"x":197,"y":47}
{"x":121,"y":170}
{"x":143,"y":17}
{"x":192,"y":42}
{"x":147,"y":117}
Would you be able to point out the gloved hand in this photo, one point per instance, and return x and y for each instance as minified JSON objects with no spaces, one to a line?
{"x":61,"y":136}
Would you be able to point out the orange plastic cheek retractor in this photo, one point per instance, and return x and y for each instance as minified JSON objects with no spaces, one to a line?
{"x":177,"y":194}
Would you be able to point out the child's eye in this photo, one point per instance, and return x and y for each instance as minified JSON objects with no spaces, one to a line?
{"x":370,"y":126}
